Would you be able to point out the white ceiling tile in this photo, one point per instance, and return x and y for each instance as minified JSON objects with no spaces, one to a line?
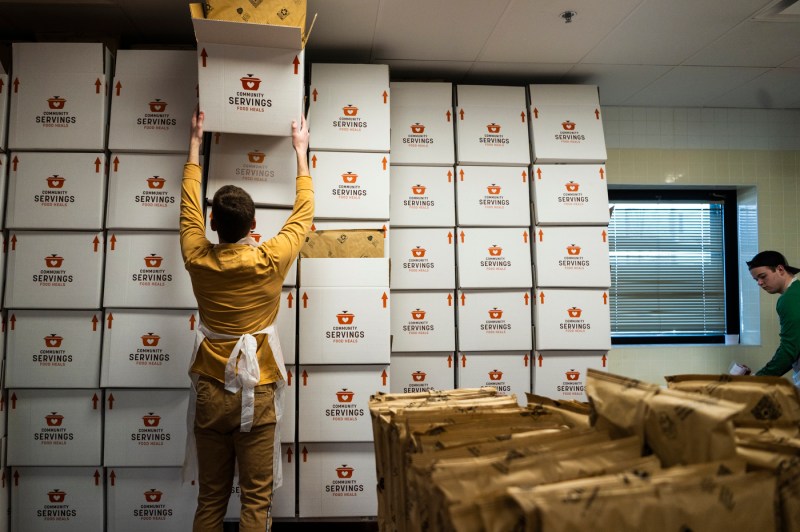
{"x":764,"y":44}
{"x":515,"y":73}
{"x":618,"y":82}
{"x":776,"y":89}
{"x":345,"y":27}
{"x":453,"y":71}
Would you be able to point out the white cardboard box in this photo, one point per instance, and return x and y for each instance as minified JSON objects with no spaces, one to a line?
{"x":149,"y":498}
{"x":56,"y":191}
{"x":54,"y":349}
{"x":266,"y":167}
{"x":571,"y":257}
{"x":61,"y":100}
{"x":57,"y":498}
{"x":145,"y":427}
{"x":283,"y":499}
{"x":54,"y":270}
{"x":349,"y":185}
{"x":566,"y":124}
{"x":492,"y":196}
{"x":494,"y":320}
{"x":145,"y":270}
{"x":153,"y":96}
{"x":286,"y":322}
{"x":289,"y":419}
{"x":508,"y":371}
{"x":334,"y":401}
{"x":5,"y":89}
{"x":55,"y":427}
{"x":422,"y":372}
{"x":491,"y":126}
{"x":5,"y":490}
{"x":423,"y":259}
{"x":147,"y":348}
{"x":422,"y":196}
{"x":3,"y":180}
{"x":562,"y":374}
{"x":144,"y":191}
{"x":422,"y":123}
{"x":572,"y":319}
{"x":250,"y":75}
{"x":570,"y":194}
{"x":341,"y":272}
{"x":337,"y":480}
{"x":495,"y":257}
{"x":349,"y":106}
{"x":423,"y":320}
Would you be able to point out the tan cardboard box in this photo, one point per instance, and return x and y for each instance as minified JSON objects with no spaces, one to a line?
{"x":422,"y":123}
{"x":60,"y":100}
{"x":55,"y":427}
{"x":337,"y":480}
{"x":491,"y":126}
{"x":54,"y":270}
{"x":423,"y":320}
{"x":266,"y":167}
{"x":153,"y":96}
{"x":571,"y":257}
{"x":566,"y":124}
{"x":495,"y":196}
{"x":145,"y":270}
{"x":283,"y":499}
{"x":54,"y":348}
{"x":570,"y":194}
{"x":145,"y":427}
{"x":423,"y":372}
{"x":494,"y":320}
{"x":372,"y":239}
{"x":333,"y":401}
{"x":349,"y":185}
{"x":147,"y":348}
{"x":423,"y":259}
{"x":507,"y":371}
{"x":5,"y":89}
{"x":562,"y":374}
{"x":250,"y":75}
{"x":497,"y":257}
{"x":349,"y":107}
{"x":56,"y":191}
{"x":56,"y":498}
{"x":144,"y":191}
{"x":149,"y":498}
{"x":572,"y":319}
{"x":422,"y":196}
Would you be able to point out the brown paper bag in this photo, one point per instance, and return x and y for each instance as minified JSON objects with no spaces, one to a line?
{"x":618,"y":404}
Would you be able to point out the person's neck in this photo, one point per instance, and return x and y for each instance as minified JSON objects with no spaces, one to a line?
{"x":788,"y":284}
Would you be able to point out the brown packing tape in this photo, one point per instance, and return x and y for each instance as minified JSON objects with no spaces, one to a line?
{"x":343,"y":244}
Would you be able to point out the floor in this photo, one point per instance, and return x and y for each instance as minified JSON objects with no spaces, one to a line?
{"x":301,"y":526}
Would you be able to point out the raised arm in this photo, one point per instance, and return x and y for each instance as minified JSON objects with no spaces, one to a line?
{"x":192,"y":225}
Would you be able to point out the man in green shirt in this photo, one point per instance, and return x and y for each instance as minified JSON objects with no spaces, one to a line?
{"x":773,"y":274}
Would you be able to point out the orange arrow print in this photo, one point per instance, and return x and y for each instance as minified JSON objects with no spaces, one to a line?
{"x":384,"y":376}
{"x":296,"y":63}
{"x":118,"y":86}
{"x":463,"y":361}
{"x":204,"y":56}
{"x":540,"y":361}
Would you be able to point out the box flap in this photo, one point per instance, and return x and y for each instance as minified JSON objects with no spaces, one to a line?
{"x":156,"y":64}
{"x":44,"y":58}
{"x":244,"y":34}
{"x":340,"y":273}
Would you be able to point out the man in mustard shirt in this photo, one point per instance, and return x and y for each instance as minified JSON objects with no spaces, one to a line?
{"x":237,"y":369}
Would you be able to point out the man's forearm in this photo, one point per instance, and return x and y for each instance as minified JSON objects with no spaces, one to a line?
{"x":302,"y":163}
{"x":194,"y":152}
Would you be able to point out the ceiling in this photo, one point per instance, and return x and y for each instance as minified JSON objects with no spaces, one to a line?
{"x":655,"y":53}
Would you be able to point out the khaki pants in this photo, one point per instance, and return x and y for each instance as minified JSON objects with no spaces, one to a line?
{"x":220,"y":445}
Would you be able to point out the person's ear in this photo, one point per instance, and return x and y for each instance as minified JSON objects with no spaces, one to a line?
{"x":253,"y":224}
{"x":213,"y":224}
{"x":780,"y":269}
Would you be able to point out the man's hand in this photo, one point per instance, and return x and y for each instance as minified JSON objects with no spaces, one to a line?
{"x":300,"y":142}
{"x":196,"y":136}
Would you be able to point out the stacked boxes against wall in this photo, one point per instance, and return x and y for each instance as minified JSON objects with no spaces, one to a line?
{"x":423,"y":237}
{"x":570,"y":238}
{"x":493,"y":239}
{"x":4,"y":486}
{"x":344,"y":290}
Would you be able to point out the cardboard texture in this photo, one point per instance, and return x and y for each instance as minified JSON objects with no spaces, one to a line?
{"x":56,"y":191}
{"x":347,"y":239}
{"x":283,"y":499}
{"x":153,"y":95}
{"x":489,"y":319}
{"x":350,"y":185}
{"x":289,"y":419}
{"x":276,"y":12}
{"x":562,"y":374}
{"x":54,"y":270}
{"x":422,"y":196}
{"x":572,"y":319}
{"x":496,"y":257}
{"x":57,"y":498}
{"x":506,"y":371}
{"x":349,"y":106}
{"x":4,"y":92}
{"x":492,"y":196}
{"x":423,"y":259}
{"x":53,"y":349}
{"x":147,"y":348}
{"x":491,"y":126}
{"x":266,"y":167}
{"x":144,"y":191}
{"x":423,"y":372}
{"x":422,"y":123}
{"x":571,"y":257}
{"x":423,"y":320}
{"x":570,"y":194}
{"x":251,"y":75}
{"x":145,"y":427}
{"x":3,"y":180}
{"x":55,"y":427}
{"x":61,"y":99}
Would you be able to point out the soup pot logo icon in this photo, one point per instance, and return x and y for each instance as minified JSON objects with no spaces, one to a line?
{"x":350,"y":110}
{"x":56,"y":102}
{"x":55,"y":181}
{"x":256,"y":236}
{"x":417,"y":128}
{"x":150,"y":339}
{"x":344,"y":471}
{"x":418,"y":190}
{"x":54,"y":419}
{"x":157,"y":106}
{"x":349,"y":178}
{"x":53,"y":341}
{"x":574,"y":312}
{"x":153,"y":495}
{"x":495,"y":251}
{"x":572,"y":375}
{"x":417,"y":314}
{"x":256,"y":157}
{"x":493,"y":190}
{"x":250,"y":83}
{"x":572,"y":249}
{"x":53,"y":261}
{"x":495,"y":375}
{"x":493,"y":128}
{"x":568,"y":126}
{"x":153,"y":261}
{"x":418,"y":376}
{"x":418,"y":252}
{"x":155,"y":182}
{"x":572,"y":186}
{"x":56,"y":496}
{"x":495,"y":313}
{"x":151,"y":420}
{"x":345,"y":396}
{"x":345,"y":318}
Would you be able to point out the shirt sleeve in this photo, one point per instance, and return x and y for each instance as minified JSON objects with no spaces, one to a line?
{"x":788,"y":309}
{"x":193,"y":230}
{"x":284,"y":247}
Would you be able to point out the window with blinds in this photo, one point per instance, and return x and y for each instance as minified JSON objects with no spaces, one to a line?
{"x":668,"y":268}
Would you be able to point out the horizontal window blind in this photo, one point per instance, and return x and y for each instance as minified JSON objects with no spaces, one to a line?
{"x":667,"y":269}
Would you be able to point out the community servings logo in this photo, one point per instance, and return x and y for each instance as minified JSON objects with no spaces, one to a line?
{"x":57,"y":507}
{"x":494,"y":137}
{"x":344,"y":408}
{"x":343,"y":482}
{"x":56,"y":193}
{"x":416,"y":137}
{"x":154,"y":272}
{"x":154,"y":193}
{"x":154,"y":506}
{"x":572,"y":383}
{"x":249,"y":96}
{"x":569,"y":133}
{"x":349,"y":120}
{"x":56,"y":113}
{"x":345,"y":329}
{"x":148,"y":351}
{"x":52,"y":353}
{"x":155,"y":116}
{"x":54,"y":273}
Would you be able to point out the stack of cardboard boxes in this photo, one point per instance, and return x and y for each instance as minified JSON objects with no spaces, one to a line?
{"x":570,"y":238}
{"x":4,"y":486}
